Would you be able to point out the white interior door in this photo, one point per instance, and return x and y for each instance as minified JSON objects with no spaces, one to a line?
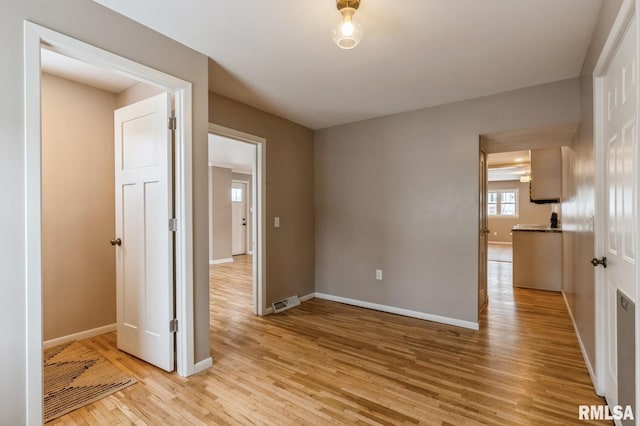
{"x":483,"y":233}
{"x":239,"y":218}
{"x":144,"y":259}
{"x":620,"y":180}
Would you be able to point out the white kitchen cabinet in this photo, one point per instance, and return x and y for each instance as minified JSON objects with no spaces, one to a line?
{"x":546,"y":175}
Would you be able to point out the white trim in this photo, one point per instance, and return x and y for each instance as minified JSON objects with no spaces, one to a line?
{"x":250,"y":252}
{"x":626,"y":13}
{"x":259,"y":218}
{"x":307,"y":297}
{"x":585,"y":356}
{"x":400,"y":311}
{"x":203,"y":365}
{"x":506,"y":243}
{"x":220,"y":261}
{"x":79,"y":336}
{"x":34,"y":36}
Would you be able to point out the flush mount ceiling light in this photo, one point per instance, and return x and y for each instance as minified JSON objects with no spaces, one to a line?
{"x":347,"y":31}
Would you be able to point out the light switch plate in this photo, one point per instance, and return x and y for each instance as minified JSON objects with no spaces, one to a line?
{"x":276,"y":222}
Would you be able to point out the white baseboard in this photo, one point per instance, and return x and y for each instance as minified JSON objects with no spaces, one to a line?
{"x":582,"y":348}
{"x":202,"y":365}
{"x":219,"y":261}
{"x":79,"y":336}
{"x":508,"y":243}
{"x":304,"y":298}
{"x":400,"y":311}
{"x":307,"y":297}
{"x":250,"y":252}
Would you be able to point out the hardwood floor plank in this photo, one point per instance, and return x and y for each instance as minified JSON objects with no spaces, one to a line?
{"x":328,"y":363}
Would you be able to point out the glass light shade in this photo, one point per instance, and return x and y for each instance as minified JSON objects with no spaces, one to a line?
{"x":348,"y":29}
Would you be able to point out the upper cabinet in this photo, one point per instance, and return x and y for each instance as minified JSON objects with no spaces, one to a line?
{"x":546,"y":175}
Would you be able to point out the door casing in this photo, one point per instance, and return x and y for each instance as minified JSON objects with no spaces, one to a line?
{"x":258,"y":218}
{"x":482,"y":234}
{"x":34,"y":36}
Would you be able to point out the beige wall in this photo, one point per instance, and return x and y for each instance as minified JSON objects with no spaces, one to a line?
{"x":400,"y":193}
{"x":221,"y":213}
{"x":78,"y":216}
{"x":579,"y":196}
{"x":101,"y":27}
{"x":528,"y":212}
{"x":289,"y":194}
{"x":136,"y":93}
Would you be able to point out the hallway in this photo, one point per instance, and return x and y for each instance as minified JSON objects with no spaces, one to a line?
{"x":325,"y":362}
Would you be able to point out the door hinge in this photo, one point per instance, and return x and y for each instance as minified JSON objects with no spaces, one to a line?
{"x":173,"y":224}
{"x":172,"y":123}
{"x":173,"y":326}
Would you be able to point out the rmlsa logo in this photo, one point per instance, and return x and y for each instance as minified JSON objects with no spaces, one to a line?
{"x":604,"y":412}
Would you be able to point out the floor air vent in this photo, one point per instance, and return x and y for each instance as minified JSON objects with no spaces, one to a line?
{"x":284,"y":304}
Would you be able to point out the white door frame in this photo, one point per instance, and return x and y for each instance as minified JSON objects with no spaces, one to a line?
{"x":34,"y":36}
{"x":628,"y":10}
{"x":259,"y":218}
{"x":248,"y":237}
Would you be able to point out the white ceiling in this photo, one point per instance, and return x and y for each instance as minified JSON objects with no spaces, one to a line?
{"x":232,"y":154}
{"x":82,"y":72}
{"x":508,"y":165}
{"x":279,"y":56}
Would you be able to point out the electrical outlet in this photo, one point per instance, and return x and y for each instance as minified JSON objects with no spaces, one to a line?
{"x":379,"y":274}
{"x":495,"y":233}
{"x":276,"y":222}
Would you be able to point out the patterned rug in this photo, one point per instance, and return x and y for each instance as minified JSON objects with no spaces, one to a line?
{"x":75,"y":376}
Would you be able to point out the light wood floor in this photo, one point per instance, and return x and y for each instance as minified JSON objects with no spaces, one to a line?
{"x":327,"y":363}
{"x":500,"y":252}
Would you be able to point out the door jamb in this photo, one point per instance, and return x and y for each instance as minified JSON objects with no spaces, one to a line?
{"x":628,"y":10}
{"x":259,"y":218}
{"x":34,"y":36}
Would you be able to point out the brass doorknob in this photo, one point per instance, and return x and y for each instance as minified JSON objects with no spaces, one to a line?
{"x":116,"y":242}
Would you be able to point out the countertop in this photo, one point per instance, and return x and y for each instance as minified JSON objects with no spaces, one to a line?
{"x":535,"y":228}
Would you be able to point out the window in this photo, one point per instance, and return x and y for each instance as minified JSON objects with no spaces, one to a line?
{"x":502,"y":203}
{"x":236,"y":195}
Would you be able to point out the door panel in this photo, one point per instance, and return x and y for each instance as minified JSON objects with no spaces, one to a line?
{"x":144,"y":261}
{"x":239,"y":218}
{"x":620,"y":180}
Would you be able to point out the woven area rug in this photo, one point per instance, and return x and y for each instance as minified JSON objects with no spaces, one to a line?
{"x":75,"y":376}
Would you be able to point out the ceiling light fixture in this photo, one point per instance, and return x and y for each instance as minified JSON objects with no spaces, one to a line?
{"x":347,"y":31}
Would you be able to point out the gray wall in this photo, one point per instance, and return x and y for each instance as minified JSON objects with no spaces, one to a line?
{"x":221,"y":213}
{"x":96,"y":25}
{"x":579,"y":196}
{"x":78,"y":214}
{"x":289,"y":194}
{"x":400,"y":193}
{"x":528,"y":212}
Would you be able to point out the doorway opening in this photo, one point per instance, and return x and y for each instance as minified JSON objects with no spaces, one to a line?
{"x":507,"y":203}
{"x":37,"y":39}
{"x":236,"y":215}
